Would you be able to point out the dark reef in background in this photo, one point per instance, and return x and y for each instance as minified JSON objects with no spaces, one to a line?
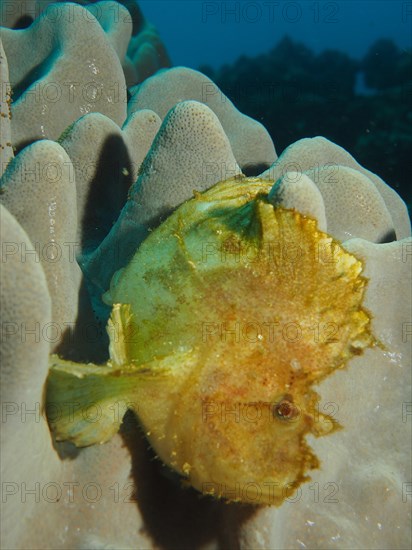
{"x":364,"y":106}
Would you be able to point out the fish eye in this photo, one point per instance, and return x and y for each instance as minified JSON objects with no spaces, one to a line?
{"x":285,"y":409}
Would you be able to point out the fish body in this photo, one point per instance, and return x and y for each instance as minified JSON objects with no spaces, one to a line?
{"x":222,"y":322}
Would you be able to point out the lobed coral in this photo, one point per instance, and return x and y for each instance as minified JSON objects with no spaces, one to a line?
{"x":87,"y":185}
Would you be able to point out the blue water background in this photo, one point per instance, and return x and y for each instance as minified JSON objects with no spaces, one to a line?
{"x":217,"y":32}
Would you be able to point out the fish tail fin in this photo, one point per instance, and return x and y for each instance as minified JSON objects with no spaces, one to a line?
{"x":82,"y":401}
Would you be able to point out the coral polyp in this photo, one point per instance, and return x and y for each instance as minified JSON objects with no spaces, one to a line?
{"x":222,"y":322}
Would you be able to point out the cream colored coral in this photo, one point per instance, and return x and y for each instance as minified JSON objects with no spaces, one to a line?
{"x":80,"y":80}
{"x":48,"y":502}
{"x":107,"y":158}
{"x":311,"y":155}
{"x":136,"y":41}
{"x":6,"y":151}
{"x":251,"y":146}
{"x":201,"y":141}
{"x":38,"y":188}
{"x":296,"y":190}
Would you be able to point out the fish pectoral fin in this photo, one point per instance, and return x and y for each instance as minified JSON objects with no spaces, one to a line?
{"x":121,"y":334}
{"x":85,"y":403}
